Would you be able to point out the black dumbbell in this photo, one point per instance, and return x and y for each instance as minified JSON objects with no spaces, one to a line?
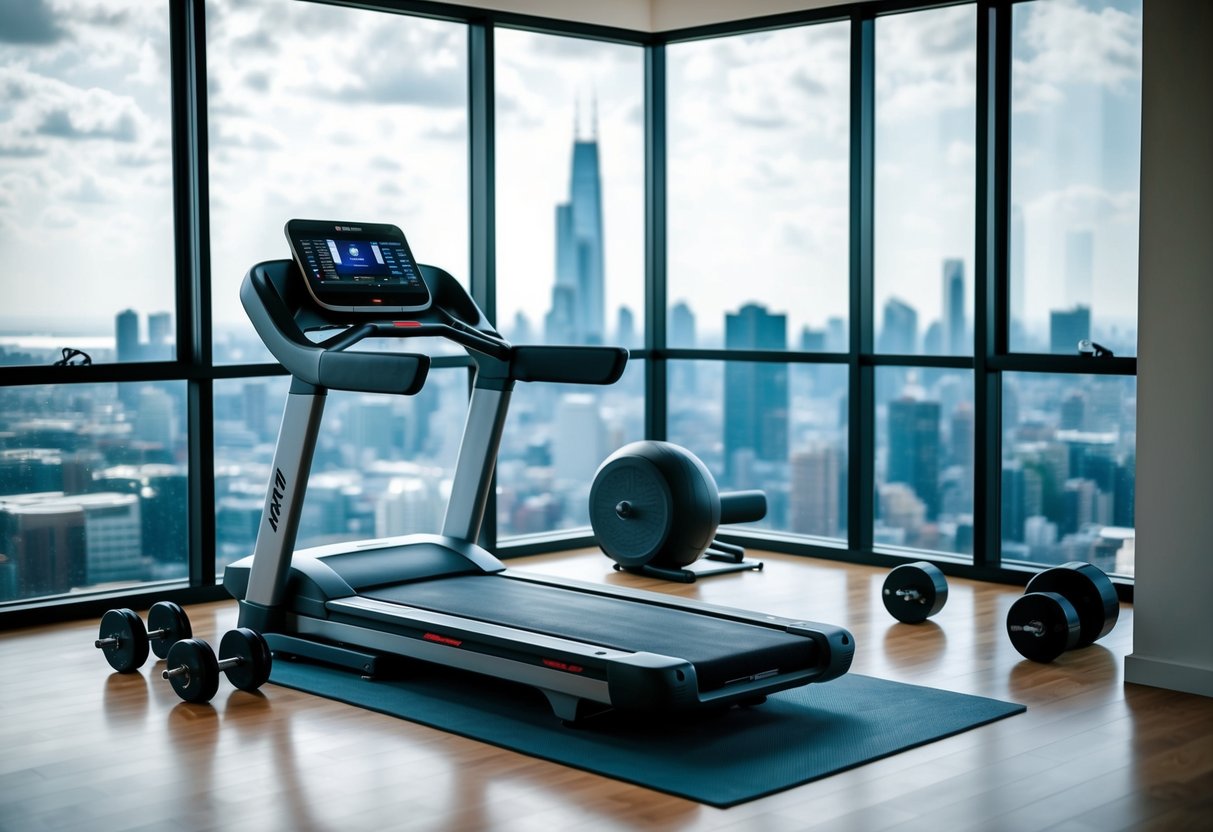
{"x":125,"y":640}
{"x":194,"y":670}
{"x":913,"y":592}
{"x":1063,"y":608}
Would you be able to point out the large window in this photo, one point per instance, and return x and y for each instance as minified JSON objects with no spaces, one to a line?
{"x":758,"y":161}
{"x":92,"y":476}
{"x":924,"y":226}
{"x":875,"y":240}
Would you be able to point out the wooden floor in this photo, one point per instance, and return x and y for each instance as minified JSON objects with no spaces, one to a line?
{"x":85,"y":749}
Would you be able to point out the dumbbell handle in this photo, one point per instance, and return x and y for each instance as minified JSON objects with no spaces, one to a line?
{"x":114,"y":641}
{"x":1036,"y":628}
{"x":224,"y":664}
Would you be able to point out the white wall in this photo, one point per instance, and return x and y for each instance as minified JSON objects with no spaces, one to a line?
{"x":1173,"y":597}
{"x":648,"y":15}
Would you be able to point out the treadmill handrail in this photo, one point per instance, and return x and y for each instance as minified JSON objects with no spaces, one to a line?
{"x":319,"y":365}
{"x":282,"y":311}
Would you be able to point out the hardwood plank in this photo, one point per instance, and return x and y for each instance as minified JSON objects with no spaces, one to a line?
{"x":88,"y":749}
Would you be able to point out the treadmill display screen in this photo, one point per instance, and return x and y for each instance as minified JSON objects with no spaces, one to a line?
{"x":357,"y":267}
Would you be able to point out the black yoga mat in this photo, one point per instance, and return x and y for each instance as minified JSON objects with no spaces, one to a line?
{"x":720,"y":759}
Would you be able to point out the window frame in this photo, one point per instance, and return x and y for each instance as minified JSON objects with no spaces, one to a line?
{"x":991,"y":358}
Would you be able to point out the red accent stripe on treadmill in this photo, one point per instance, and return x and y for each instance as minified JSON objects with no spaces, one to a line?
{"x":406,"y":323}
{"x":565,"y":666}
{"x":447,"y":640}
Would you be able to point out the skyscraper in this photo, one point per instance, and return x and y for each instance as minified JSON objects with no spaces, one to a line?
{"x":578,"y":297}
{"x":756,"y":394}
{"x":1067,"y":328}
{"x":899,"y":334}
{"x":813,"y":504}
{"x":126,"y":326}
{"x":914,"y":450}
{"x":681,"y":333}
{"x":159,"y":336}
{"x":682,"y":326}
{"x":954,"y":307}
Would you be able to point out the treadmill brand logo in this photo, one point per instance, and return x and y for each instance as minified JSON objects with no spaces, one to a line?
{"x":276,"y":499}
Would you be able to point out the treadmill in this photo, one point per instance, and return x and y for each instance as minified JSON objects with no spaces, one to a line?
{"x":442,"y":598}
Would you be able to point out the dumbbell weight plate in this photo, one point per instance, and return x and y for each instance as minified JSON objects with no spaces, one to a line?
{"x":254,"y":653}
{"x":170,"y":617}
{"x":631,"y":510}
{"x":1090,"y":592}
{"x":1059,"y":622}
{"x":921,"y":577}
{"x":200,"y":682}
{"x":130,"y":652}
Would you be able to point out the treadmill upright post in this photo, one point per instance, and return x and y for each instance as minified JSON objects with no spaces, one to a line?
{"x":261,"y":606}
{"x":490,"y":402}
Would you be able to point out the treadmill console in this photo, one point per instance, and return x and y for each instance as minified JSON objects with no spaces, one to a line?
{"x":357,"y":267}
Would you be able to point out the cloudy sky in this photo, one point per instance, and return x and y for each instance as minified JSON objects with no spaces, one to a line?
{"x":323,"y":112}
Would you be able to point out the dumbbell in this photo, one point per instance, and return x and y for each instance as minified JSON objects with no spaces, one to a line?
{"x":125,"y":640}
{"x":1063,"y":608}
{"x":194,"y":670}
{"x":913,"y":592}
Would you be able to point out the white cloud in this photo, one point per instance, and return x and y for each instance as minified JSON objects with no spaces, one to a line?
{"x":925,"y":63}
{"x":1062,"y":43}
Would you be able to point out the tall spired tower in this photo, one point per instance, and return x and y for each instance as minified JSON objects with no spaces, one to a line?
{"x":577,"y":314}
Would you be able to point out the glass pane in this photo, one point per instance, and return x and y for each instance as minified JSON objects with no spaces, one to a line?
{"x":93,"y":487}
{"x":299,"y":129}
{"x":570,"y":190}
{"x":924,"y":459}
{"x":779,"y":428}
{"x":1075,"y":166}
{"x":926,"y":99}
{"x":758,"y":179}
{"x":556,"y":437}
{"x":383,"y":464}
{"x":1068,"y":469}
{"x":86,"y":203}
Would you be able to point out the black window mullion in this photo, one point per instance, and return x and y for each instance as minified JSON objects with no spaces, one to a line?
{"x":187,"y":35}
{"x":861,"y":455}
{"x":482,"y":203}
{"x":656,"y":368}
{"x":481,"y":176}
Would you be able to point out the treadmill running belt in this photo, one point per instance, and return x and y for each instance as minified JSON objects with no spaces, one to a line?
{"x":721,"y":650}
